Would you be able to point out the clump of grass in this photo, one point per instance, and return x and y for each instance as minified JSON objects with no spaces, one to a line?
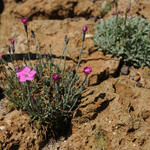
{"x":47,"y":92}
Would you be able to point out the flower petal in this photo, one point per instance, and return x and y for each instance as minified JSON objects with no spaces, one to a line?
{"x":33,"y":72}
{"x":19,"y":74}
{"x":26,"y":69}
{"x":22,"y":79}
{"x":30,"y":78}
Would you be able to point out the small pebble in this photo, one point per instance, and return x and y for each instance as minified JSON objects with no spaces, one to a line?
{"x":138,"y":84}
{"x":124,"y":70}
{"x":2,"y":127}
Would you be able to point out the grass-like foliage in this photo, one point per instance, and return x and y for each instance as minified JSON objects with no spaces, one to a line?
{"x":126,"y":38}
{"x":47,"y":92}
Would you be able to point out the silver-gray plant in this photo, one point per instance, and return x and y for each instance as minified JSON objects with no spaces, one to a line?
{"x":131,"y":43}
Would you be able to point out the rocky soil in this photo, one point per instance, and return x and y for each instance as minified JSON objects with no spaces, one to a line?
{"x":114,"y":113}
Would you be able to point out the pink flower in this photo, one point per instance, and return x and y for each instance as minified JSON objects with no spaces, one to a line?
{"x":12,"y":42}
{"x":120,"y":12}
{"x":115,"y":13}
{"x":87,"y":70}
{"x":26,"y":74}
{"x":55,"y":77}
{"x":84,"y":29}
{"x":0,"y":56}
{"x":24,"y":20}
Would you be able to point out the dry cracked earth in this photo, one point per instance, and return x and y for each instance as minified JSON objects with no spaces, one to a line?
{"x":114,"y":113}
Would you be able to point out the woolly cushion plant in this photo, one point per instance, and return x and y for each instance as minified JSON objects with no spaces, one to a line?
{"x":126,"y":38}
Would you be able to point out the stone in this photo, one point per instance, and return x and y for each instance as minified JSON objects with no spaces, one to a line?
{"x":124,"y":70}
{"x":102,"y":67}
{"x":17,"y":133}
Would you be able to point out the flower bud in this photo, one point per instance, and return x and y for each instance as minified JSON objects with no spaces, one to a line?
{"x":12,"y":42}
{"x":87,"y":70}
{"x":24,"y":20}
{"x":55,"y":77}
{"x":120,"y":12}
{"x":84,"y":29}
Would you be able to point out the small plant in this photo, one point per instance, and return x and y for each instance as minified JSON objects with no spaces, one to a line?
{"x":47,"y":92}
{"x":126,"y":38}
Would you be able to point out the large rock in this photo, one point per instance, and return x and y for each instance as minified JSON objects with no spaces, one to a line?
{"x":51,"y":32}
{"x":114,"y":115}
{"x":59,"y":9}
{"x":16,"y":132}
{"x":103,"y":66}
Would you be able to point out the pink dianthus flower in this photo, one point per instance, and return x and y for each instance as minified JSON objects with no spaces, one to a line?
{"x":25,"y":74}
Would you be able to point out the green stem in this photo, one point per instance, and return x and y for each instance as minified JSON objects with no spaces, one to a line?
{"x":79,"y":61}
{"x":125,"y":20}
{"x":64,"y":61}
{"x":62,"y":55}
{"x":29,"y":94}
{"x":116,"y":6}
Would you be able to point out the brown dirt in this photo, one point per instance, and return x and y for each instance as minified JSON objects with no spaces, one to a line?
{"x":114,"y":113}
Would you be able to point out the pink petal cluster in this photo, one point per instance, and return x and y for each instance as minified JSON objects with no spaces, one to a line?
{"x":118,"y":12}
{"x":24,"y":20}
{"x":87,"y":70}
{"x":55,"y":77}
{"x":25,"y":74}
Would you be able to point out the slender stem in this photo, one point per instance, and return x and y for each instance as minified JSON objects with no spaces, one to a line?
{"x":26,"y":30}
{"x":125,"y":20}
{"x":29,"y":94}
{"x":116,"y":6}
{"x":64,"y":61}
{"x":62,"y":55}
{"x":73,"y":80}
{"x":79,"y":61}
